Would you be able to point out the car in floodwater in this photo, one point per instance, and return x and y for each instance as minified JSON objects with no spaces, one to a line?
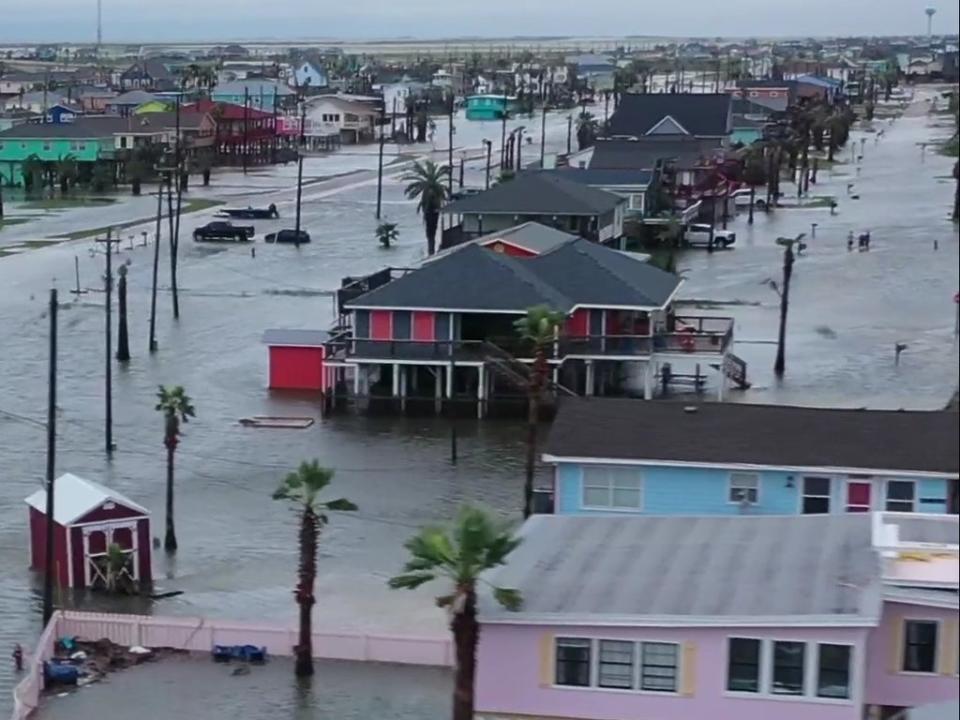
{"x":699,"y":235}
{"x":288,"y":236}
{"x":741,"y":198}
{"x":219,"y":230}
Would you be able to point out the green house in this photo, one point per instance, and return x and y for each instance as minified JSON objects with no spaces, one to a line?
{"x":490,"y":107}
{"x":87,"y":139}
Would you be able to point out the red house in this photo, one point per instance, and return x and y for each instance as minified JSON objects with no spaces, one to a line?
{"x":88,"y":518}
{"x":297,"y":360}
{"x":238,"y":126}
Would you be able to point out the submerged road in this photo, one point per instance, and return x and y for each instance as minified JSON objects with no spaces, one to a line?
{"x":238,"y":547}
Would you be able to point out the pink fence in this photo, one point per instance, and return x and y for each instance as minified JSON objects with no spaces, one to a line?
{"x":26,"y":695}
{"x":201,"y":634}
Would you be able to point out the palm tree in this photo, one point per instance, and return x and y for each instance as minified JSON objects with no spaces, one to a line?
{"x":539,"y":327}
{"x":176,"y":407}
{"x":66,"y":172}
{"x":461,"y":554}
{"x":302,"y":488}
{"x":587,"y":130}
{"x":387,"y":233}
{"x":427,"y":182}
{"x":136,"y":172}
{"x":102,"y":177}
{"x":32,"y":171}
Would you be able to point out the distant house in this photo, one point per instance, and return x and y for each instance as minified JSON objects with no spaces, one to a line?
{"x":833,"y":617}
{"x":701,"y":116}
{"x":15,"y":83}
{"x":198,"y":130}
{"x":751,"y":459}
{"x":460,"y":308}
{"x":545,"y":197}
{"x":353,"y":121}
{"x":38,"y":101}
{"x":62,"y":113}
{"x":15,"y":116}
{"x":399,"y":94}
{"x":597,"y":71}
{"x":819,"y":88}
{"x":237,"y":126}
{"x":126,"y":103}
{"x":94,"y":100}
{"x":690,"y":160}
{"x":260,"y":94}
{"x":149,"y":74}
{"x":309,"y":75}
{"x":776,"y":95}
{"x":634,"y":186}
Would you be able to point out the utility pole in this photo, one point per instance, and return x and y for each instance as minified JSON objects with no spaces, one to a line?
{"x":503,"y":137}
{"x":450,"y":147}
{"x":123,"y":342}
{"x":108,"y":359}
{"x":156,"y":267}
{"x":753,"y":197}
{"x":520,"y":148}
{"x":303,"y":127}
{"x":780,"y":363}
{"x":380,"y":168}
{"x":51,"y":461}
{"x":569,"y":133}
{"x":246,"y":122}
{"x":486,"y":182}
{"x":175,"y":237}
{"x":543,"y":135}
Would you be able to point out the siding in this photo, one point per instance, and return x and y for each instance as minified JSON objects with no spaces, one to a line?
{"x":703,"y":491}
{"x":513,"y":679}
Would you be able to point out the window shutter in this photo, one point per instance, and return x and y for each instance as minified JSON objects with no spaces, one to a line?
{"x":547,"y":669}
{"x":948,"y":648}
{"x":688,"y":670}
{"x":896,"y":645}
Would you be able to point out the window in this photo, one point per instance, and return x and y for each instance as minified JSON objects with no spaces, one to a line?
{"x":833,"y":671}
{"x":920,"y":646}
{"x":46,"y":147}
{"x":617,"y":488}
{"x":743,"y":665}
{"x":616,"y":664}
{"x":816,"y":495}
{"x":858,"y":495}
{"x":900,"y":495}
{"x":658,"y":671}
{"x":81,"y":146}
{"x":744,"y":488}
{"x":787,"y":668}
{"x":123,"y":141}
{"x":573,"y":662}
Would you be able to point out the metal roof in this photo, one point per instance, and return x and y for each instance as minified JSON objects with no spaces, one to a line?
{"x":644,"y":154}
{"x":762,"y":435}
{"x":608,"y":177}
{"x":536,"y":193}
{"x":532,"y":236}
{"x":295,"y":338}
{"x":75,"y":496}
{"x":647,"y":570}
{"x":699,"y":114}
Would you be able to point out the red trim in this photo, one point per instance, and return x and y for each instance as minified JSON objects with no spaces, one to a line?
{"x":578,"y":324}
{"x":424,"y":325}
{"x":381,"y":325}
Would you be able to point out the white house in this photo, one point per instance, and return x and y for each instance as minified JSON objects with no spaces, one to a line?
{"x":396,"y":94}
{"x":310,"y":75}
{"x":327,"y":115}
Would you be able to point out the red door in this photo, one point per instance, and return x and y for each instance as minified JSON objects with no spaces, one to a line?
{"x":858,"y":495}
{"x":380,"y":325}
{"x":423,"y":326}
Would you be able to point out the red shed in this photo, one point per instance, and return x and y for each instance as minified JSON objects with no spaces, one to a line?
{"x":297,"y":360}
{"x":88,"y":518}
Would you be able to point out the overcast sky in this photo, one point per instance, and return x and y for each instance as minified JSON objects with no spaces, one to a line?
{"x":172,"y":20}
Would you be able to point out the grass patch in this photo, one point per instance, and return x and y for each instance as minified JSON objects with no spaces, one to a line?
{"x":11,"y":221}
{"x":67,"y":203}
{"x":189,"y":206}
{"x":951,"y":148}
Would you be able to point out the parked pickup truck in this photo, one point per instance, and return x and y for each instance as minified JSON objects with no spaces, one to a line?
{"x":220,"y":230}
{"x":698,"y":235}
{"x":287,"y":236}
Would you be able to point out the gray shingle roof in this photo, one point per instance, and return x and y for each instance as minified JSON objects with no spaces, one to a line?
{"x":133,"y":97}
{"x":643,"y":154}
{"x":295,"y":338}
{"x":537,"y":193}
{"x":738,"y":570}
{"x":699,"y":114}
{"x":608,"y":177}
{"x":577,"y":272}
{"x":99,"y":126}
{"x":765,"y":435}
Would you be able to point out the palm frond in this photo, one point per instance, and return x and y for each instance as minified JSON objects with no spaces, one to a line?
{"x":410,"y":581}
{"x":341,"y":504}
{"x":508,"y":597}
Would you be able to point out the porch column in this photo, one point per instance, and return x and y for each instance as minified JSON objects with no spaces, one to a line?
{"x":356,"y":380}
{"x":450,"y":381}
{"x":648,"y":373}
{"x":590,"y":378}
{"x":721,"y":380}
{"x":396,"y":380}
{"x":481,"y":391}
{"x":437,"y":389}
{"x":403,"y":386}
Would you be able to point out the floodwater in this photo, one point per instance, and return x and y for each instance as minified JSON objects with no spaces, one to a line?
{"x":191,"y":687}
{"x":238,"y":547}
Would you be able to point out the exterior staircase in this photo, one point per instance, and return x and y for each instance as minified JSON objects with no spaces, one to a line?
{"x":736,"y":369}
{"x":509,"y":368}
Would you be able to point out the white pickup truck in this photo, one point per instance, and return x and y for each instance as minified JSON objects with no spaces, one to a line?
{"x":741,"y":198}
{"x":698,"y":235}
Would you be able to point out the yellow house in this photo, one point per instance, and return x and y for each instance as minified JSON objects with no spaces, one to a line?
{"x":153,"y":106}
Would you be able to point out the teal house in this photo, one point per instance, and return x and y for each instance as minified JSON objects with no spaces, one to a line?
{"x":614,"y":456}
{"x":490,"y":107}
{"x":86,"y":139}
{"x":260,"y":94}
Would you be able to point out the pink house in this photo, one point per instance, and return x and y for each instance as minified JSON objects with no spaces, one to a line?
{"x":727,"y":618}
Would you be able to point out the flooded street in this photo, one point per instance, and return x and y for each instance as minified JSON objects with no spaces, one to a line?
{"x":237,"y":546}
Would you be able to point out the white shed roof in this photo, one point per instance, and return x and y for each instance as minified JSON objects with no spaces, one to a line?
{"x":75,"y":496}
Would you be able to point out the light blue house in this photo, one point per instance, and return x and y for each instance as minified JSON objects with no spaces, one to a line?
{"x":309,"y":75}
{"x":490,"y":107}
{"x":259,"y":93}
{"x":664,"y":458}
